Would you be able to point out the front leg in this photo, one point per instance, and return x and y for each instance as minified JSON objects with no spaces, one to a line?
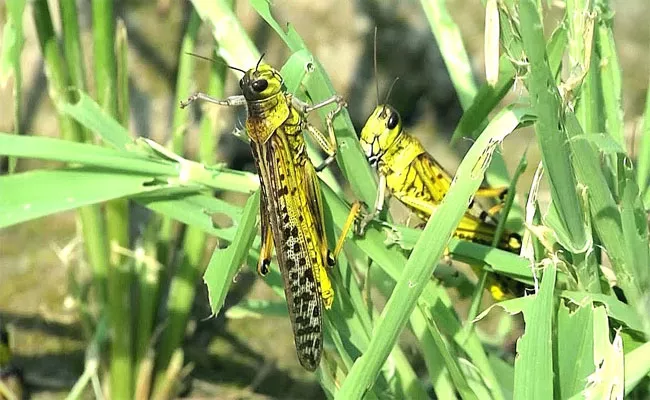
{"x":229,"y":101}
{"x":362,"y":224}
{"x":306,"y":108}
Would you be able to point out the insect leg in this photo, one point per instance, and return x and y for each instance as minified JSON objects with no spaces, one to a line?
{"x":349,"y":222}
{"x":229,"y":101}
{"x":307,"y":108}
{"x":267,"y":244}
{"x":327,"y":144}
{"x":499,"y":193}
{"x":378,"y":206}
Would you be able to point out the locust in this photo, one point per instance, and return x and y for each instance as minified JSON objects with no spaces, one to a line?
{"x":291,"y":207}
{"x":417,"y":180}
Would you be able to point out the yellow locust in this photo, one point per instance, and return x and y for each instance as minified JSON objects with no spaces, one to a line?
{"x":291,"y":207}
{"x":415,"y":178}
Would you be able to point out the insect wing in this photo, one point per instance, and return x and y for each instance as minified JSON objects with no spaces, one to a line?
{"x":292,"y":224}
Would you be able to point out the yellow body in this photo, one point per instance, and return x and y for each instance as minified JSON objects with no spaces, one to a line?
{"x":291,"y":207}
{"x":418,"y":181}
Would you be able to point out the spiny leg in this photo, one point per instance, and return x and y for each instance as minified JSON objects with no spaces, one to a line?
{"x":349,"y":223}
{"x":378,"y":206}
{"x":229,"y":101}
{"x":306,"y":108}
{"x":327,"y":144}
{"x":326,"y":289}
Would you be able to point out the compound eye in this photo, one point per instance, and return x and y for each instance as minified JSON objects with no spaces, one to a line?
{"x":260,"y":85}
{"x":393,"y":120}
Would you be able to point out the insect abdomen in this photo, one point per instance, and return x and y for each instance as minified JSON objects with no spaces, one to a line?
{"x":296,"y":244}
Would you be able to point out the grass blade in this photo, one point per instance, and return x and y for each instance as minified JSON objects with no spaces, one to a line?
{"x":452,"y":49}
{"x":225,"y":263}
{"x":23,"y":194}
{"x":11,"y":48}
{"x":549,"y":129}
{"x":534,"y":362}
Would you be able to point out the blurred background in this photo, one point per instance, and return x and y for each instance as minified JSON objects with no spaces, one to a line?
{"x":247,"y":357}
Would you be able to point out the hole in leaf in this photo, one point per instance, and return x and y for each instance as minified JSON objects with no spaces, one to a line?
{"x":221,"y":220}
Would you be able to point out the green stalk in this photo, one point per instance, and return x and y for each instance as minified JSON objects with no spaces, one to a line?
{"x":74,"y":62}
{"x":121,"y":52}
{"x":93,"y":224}
{"x":179,"y":302}
{"x":211,"y":125}
{"x":148,"y":272}
{"x":72,"y":43}
{"x":183,"y":283}
{"x":583,"y":81}
{"x":184,"y":82}
{"x":117,"y":211}
{"x":610,"y":73}
{"x":180,"y":118}
{"x":146,"y":267}
{"x":643,"y":162}
{"x":551,"y":134}
{"x":117,"y":215}
{"x":10,"y":60}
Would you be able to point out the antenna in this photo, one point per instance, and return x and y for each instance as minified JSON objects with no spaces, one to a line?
{"x":375,"y":60}
{"x":392,"y":85}
{"x":216,"y":61}
{"x":259,"y":61}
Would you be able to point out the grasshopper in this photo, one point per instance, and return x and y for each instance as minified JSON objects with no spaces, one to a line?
{"x":291,"y":206}
{"x":416,"y":179}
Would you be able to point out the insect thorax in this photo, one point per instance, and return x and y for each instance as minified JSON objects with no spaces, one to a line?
{"x":400,"y":155}
{"x":266,"y":116}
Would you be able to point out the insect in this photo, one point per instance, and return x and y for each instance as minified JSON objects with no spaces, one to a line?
{"x":416,"y":179}
{"x":291,"y":207}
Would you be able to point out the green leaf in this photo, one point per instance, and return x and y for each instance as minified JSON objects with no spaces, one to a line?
{"x":534,"y":362}
{"x":616,"y":309}
{"x":575,"y":342}
{"x":89,"y":114}
{"x":225,"y":263}
{"x":12,"y":41}
{"x":35,"y":194}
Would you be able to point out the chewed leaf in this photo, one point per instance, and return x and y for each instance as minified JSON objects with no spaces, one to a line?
{"x":224,"y":263}
{"x":615,"y":308}
{"x":574,"y":347}
{"x":546,"y":237}
{"x":512,"y":306}
{"x":534,"y":360}
{"x":604,"y":142}
{"x":607,"y":381}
